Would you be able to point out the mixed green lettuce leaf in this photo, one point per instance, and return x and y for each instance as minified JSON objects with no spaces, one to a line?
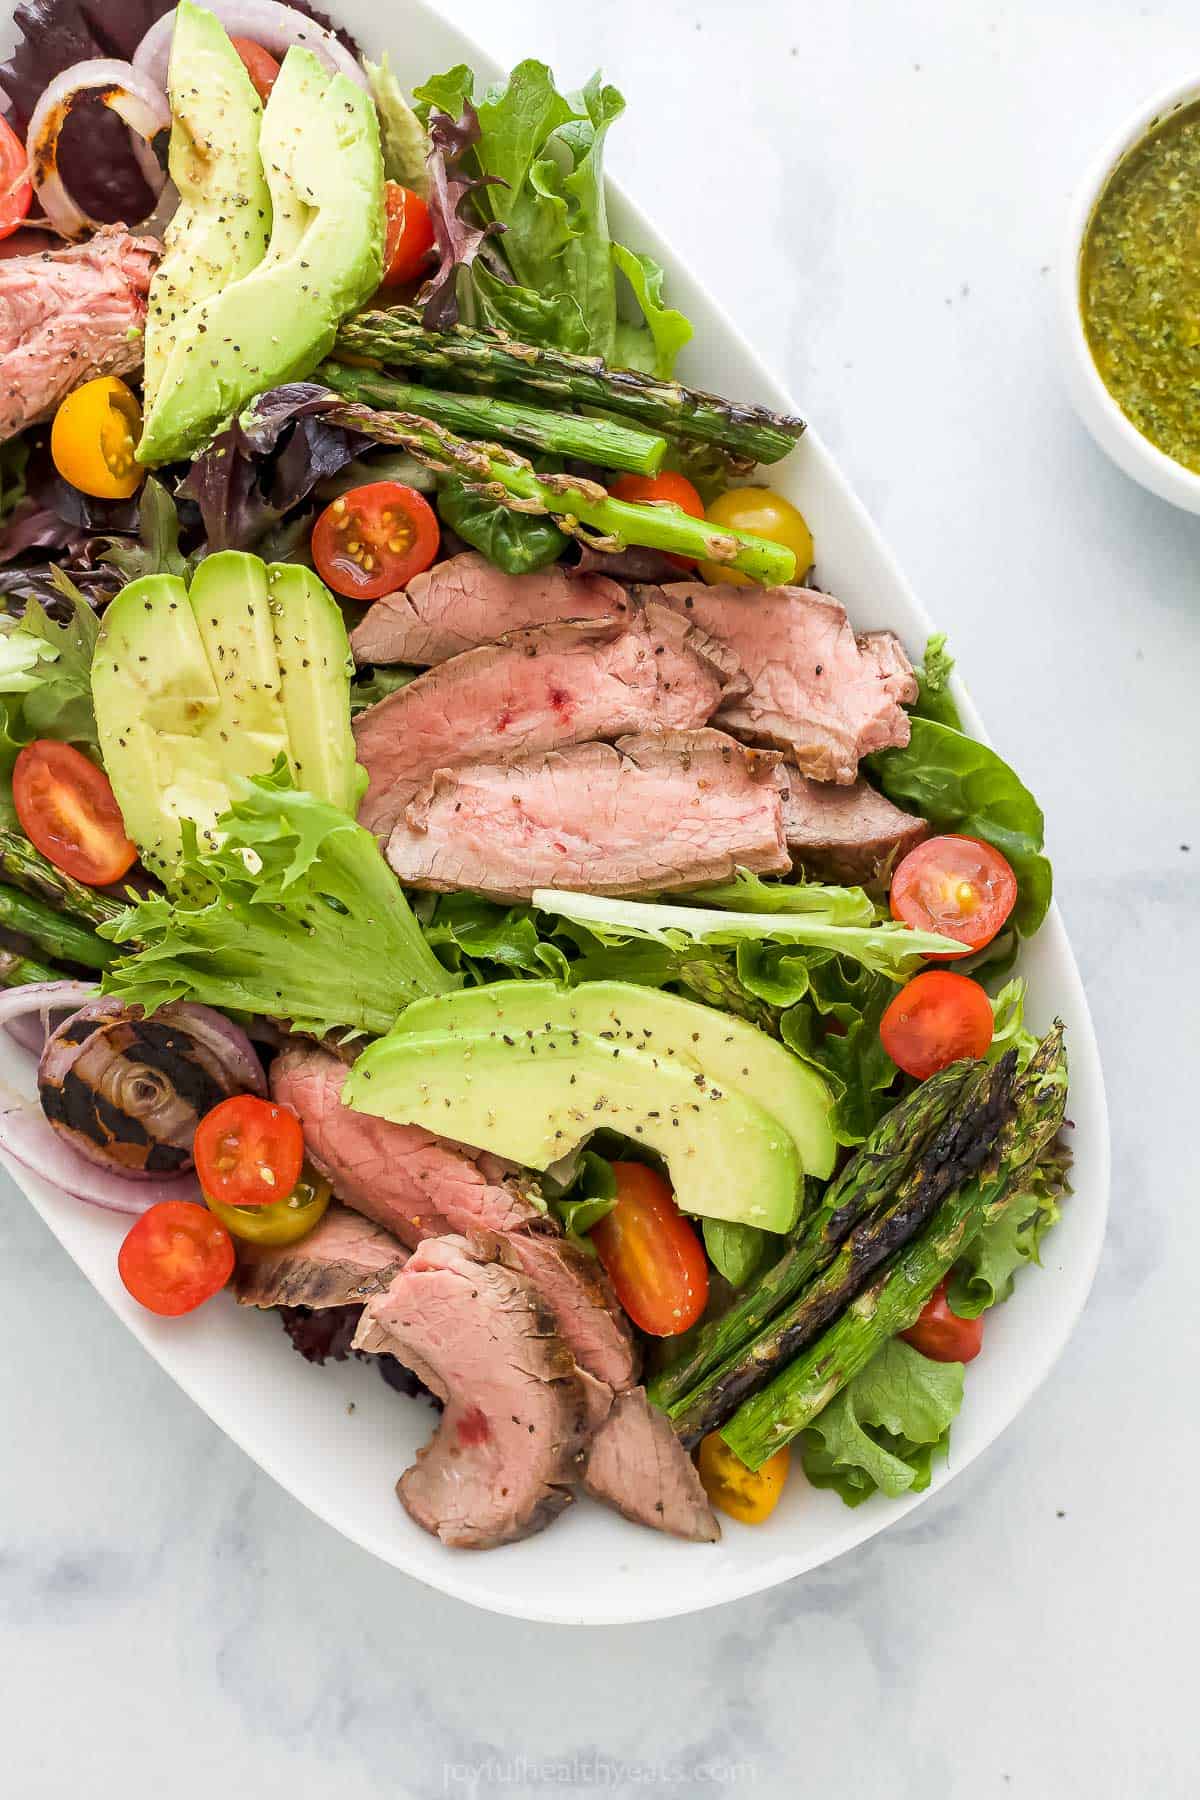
{"x":541,"y":155}
{"x":883,"y":1431}
{"x":45,"y":681}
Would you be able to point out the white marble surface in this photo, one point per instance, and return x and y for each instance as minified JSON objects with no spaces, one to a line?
{"x":876,"y":190}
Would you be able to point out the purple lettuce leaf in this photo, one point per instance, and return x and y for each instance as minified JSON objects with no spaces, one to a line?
{"x":459,"y":236}
{"x":267,"y":462}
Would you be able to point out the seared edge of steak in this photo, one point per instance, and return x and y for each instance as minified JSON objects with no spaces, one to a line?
{"x":638,"y":1465}
{"x":509,"y":1446}
{"x":344,"y":1259}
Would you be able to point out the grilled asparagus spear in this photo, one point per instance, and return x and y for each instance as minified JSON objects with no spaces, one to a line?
{"x":957,"y":1149}
{"x":748,"y":434}
{"x":775,"y":1415}
{"x":872,"y":1173}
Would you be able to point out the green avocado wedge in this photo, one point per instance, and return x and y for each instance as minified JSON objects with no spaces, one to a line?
{"x":192,"y":688}
{"x":223,"y":222}
{"x":320,"y":141}
{"x":730,"y":1051}
{"x":536,"y":1097}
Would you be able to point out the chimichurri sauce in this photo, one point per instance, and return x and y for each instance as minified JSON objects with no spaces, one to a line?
{"x":1140,"y":286}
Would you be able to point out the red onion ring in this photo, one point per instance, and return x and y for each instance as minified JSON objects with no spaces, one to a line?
{"x":274,"y":26}
{"x":25,"y":1011}
{"x":141,"y":103}
{"x":227,"y":1042}
{"x":28,"y":1137}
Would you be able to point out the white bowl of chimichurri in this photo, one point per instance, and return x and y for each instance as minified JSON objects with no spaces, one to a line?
{"x":1130,"y":283}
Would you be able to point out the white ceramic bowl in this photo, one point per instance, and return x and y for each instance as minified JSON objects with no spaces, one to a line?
{"x":592,"y":1567}
{"x":1114,"y":433}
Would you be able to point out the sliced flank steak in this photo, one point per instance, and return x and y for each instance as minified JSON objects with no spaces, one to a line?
{"x":816,"y":691}
{"x":344,"y":1261}
{"x":652,"y":813}
{"x":845,"y":833}
{"x":539,"y":689}
{"x":637,"y":1464}
{"x":404,"y":1178}
{"x":579,"y":1295}
{"x":464,"y":602}
{"x":509,"y":1447}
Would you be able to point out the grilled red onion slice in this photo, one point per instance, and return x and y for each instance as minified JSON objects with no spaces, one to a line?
{"x":32,"y":1141}
{"x":273,"y":26}
{"x":26,"y":1012}
{"x":140,"y":102}
{"x":128,"y":1091}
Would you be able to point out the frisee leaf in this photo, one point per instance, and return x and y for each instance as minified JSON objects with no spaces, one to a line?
{"x":296,"y":915}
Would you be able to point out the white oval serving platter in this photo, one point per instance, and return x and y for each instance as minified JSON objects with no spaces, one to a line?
{"x":592,"y":1567}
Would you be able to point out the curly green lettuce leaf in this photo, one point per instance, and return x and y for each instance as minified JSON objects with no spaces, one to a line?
{"x":886,"y":948}
{"x":296,"y":916}
{"x":402,"y":136}
{"x":46,"y":681}
{"x":834,"y":1028}
{"x":962,"y":786}
{"x":882,"y":1432}
{"x":1009,"y":1030}
{"x":934,"y":699}
{"x":482,"y":942}
{"x":985,"y":1274}
{"x":656,"y":340}
{"x":750,"y":893}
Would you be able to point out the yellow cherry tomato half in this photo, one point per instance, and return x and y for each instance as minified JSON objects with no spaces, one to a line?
{"x":750,"y":1495}
{"x":767,"y":515}
{"x":280,"y":1221}
{"x":94,"y":436}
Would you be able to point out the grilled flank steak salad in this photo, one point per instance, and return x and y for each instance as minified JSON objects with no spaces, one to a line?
{"x":466,"y":886}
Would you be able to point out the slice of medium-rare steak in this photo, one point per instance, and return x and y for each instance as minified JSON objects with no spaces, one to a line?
{"x":539,"y":689}
{"x":637,"y":1464}
{"x":845,"y":833}
{"x":578,"y":1293}
{"x":344,"y":1260}
{"x":404,"y":1178}
{"x":464,"y":602}
{"x":816,"y":691}
{"x":652,"y":813}
{"x":68,"y":314}
{"x":510,"y":1443}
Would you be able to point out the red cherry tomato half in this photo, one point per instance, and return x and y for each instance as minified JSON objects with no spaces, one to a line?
{"x":409,"y":236}
{"x":957,"y":886}
{"x":374,"y":539}
{"x":249,"y":1152}
{"x":936,"y":1019}
{"x":654,"y":1259}
{"x":261,"y":66}
{"x":175,"y":1257}
{"x":68,"y":810}
{"x":941,"y":1335}
{"x":16,"y":194}
{"x":666,"y":489}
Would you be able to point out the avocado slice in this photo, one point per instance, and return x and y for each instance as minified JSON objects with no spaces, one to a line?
{"x":731,"y":1052}
{"x":325,"y":258}
{"x":315,"y":667}
{"x":536,"y":1097}
{"x":223,"y":222}
{"x":194,"y":688}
